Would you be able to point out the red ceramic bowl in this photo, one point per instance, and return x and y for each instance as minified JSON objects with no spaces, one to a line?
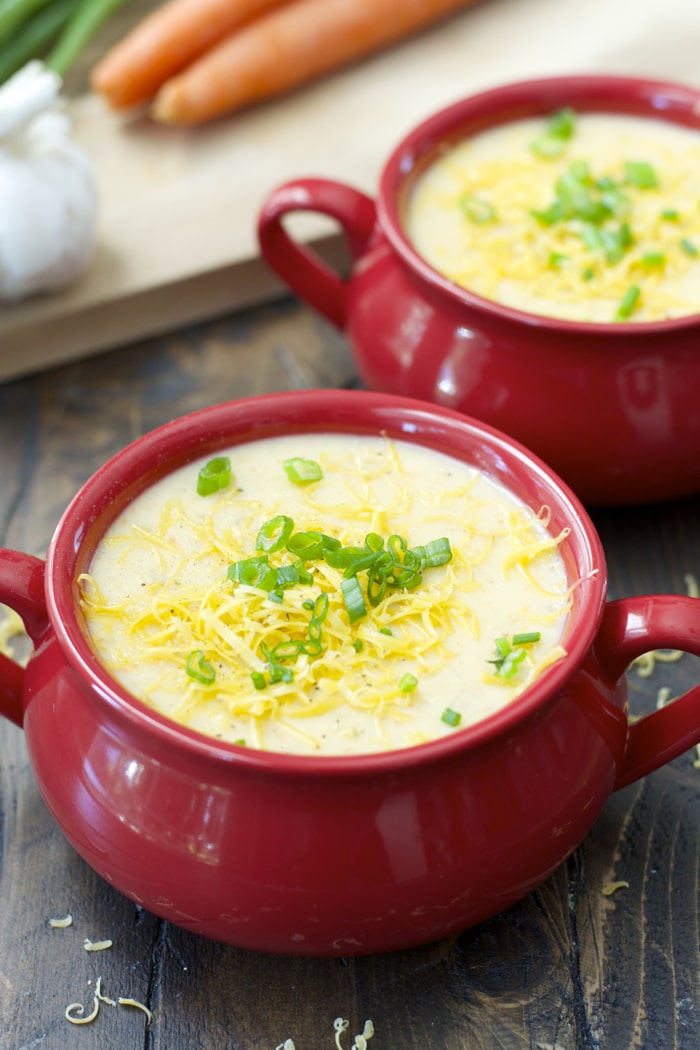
{"x":613,"y":408}
{"x":334,"y":855}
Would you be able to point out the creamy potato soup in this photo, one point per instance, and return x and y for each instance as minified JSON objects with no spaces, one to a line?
{"x":327,"y":594}
{"x":588,"y":217}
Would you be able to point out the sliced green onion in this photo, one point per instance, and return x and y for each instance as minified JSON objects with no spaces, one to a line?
{"x":273,"y":535}
{"x":407,"y":683}
{"x":450,"y":717}
{"x":386,"y":630}
{"x":476,"y":209}
{"x":214,"y":475}
{"x":670,"y":215}
{"x":312,"y":544}
{"x":559,"y":130}
{"x":258,"y":679}
{"x":688,"y":247}
{"x":628,"y":302}
{"x":358,"y":645}
{"x":556,"y":259}
{"x":353,"y":598}
{"x":588,"y":274}
{"x":199,"y":668}
{"x":526,"y":638}
{"x":641,"y":174}
{"x":435,"y":552}
{"x":302,"y":471}
{"x":654,"y":260}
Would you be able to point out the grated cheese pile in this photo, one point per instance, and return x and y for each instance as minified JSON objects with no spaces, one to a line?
{"x":473,"y":216}
{"x":159,"y":592}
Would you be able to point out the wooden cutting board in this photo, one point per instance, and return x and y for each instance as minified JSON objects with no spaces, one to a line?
{"x":178,"y":207}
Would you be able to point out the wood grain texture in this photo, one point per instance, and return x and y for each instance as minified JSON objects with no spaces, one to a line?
{"x":568,"y":968}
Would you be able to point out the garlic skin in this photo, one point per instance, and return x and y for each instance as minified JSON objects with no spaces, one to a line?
{"x":48,"y":189}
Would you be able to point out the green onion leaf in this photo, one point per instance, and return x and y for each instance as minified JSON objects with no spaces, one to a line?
{"x":476,"y":209}
{"x":670,"y":215}
{"x":526,"y":638}
{"x":641,"y":174}
{"x":407,"y":683}
{"x":353,"y":598}
{"x":258,"y":679}
{"x":273,"y":535}
{"x":559,"y":130}
{"x":628,"y":302}
{"x":654,"y":260}
{"x":302,"y":471}
{"x":688,"y":247}
{"x":214,"y":475}
{"x":450,"y":717}
{"x":199,"y":668}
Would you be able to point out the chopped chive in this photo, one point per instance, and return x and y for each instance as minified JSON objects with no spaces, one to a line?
{"x":688,"y":247}
{"x":353,"y":598}
{"x":526,"y":638}
{"x":302,"y":471}
{"x":560,"y":128}
{"x":214,"y":475}
{"x":258,"y":679}
{"x":450,"y":717}
{"x":476,"y":209}
{"x":641,"y":174}
{"x":628,"y":302}
{"x":199,"y":668}
{"x":273,"y":535}
{"x":654,"y":260}
{"x":407,"y":683}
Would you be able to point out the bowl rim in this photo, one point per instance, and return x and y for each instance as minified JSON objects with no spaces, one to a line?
{"x":219,"y":426}
{"x":634,"y":95}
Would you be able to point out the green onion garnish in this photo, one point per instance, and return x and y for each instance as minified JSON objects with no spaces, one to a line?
{"x":258,"y":679}
{"x":214,"y":475}
{"x":688,"y":247}
{"x":407,"y":683}
{"x":476,"y":209}
{"x":353,"y":598}
{"x":273,"y":535}
{"x":654,"y":260}
{"x":302,"y":471}
{"x":628,"y":302}
{"x":510,"y":653}
{"x":641,"y":174}
{"x":526,"y":638}
{"x":199,"y":668}
{"x":670,"y":215}
{"x":560,"y":128}
{"x":450,"y":717}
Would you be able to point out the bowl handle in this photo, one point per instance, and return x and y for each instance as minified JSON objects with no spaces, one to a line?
{"x":632,"y":627}
{"x":305,"y":273}
{"x":21,"y":589}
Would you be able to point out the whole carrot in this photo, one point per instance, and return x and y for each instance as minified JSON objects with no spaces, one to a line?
{"x":163,"y":43}
{"x":288,"y":46}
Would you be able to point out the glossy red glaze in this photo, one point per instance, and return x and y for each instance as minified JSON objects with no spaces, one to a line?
{"x":613,"y":408}
{"x":334,"y":855}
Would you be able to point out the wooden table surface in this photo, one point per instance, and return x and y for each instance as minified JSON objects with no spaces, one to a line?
{"x":570,"y":967}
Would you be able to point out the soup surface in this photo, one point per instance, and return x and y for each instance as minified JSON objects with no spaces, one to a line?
{"x":588,"y":217}
{"x":338,"y":594}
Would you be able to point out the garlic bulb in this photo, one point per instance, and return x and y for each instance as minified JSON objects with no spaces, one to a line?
{"x":48,"y":189}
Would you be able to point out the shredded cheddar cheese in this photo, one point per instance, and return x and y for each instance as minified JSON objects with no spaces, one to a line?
{"x":61,"y":924}
{"x":190,"y":636}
